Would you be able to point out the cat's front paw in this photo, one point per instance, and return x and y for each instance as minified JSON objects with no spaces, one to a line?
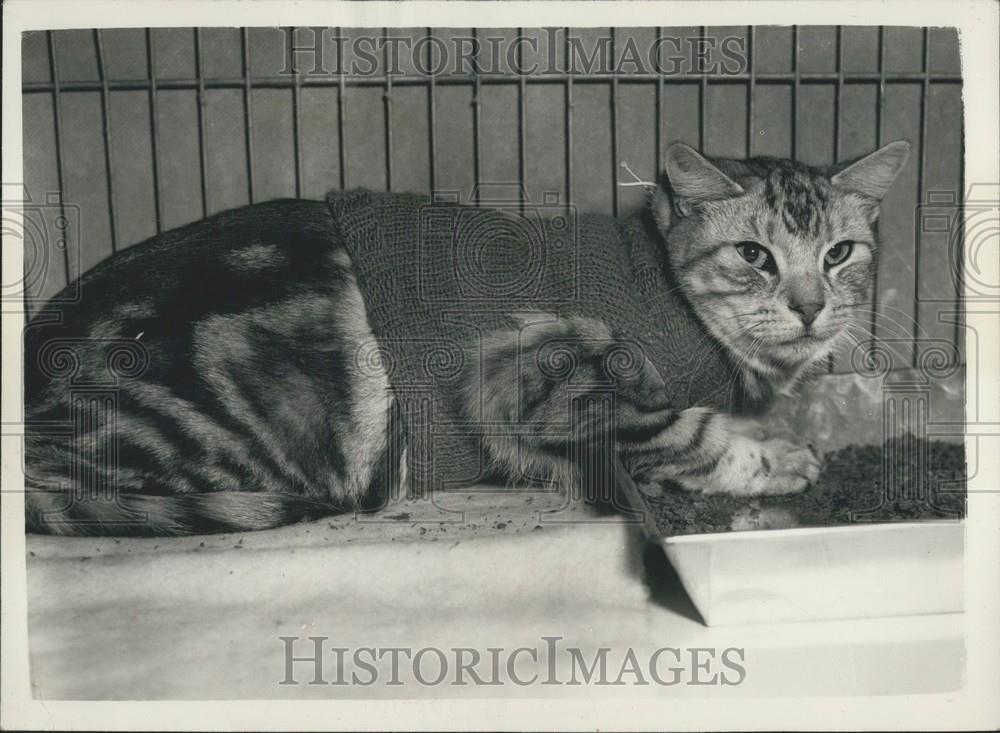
{"x":785,"y":468}
{"x":754,"y":467}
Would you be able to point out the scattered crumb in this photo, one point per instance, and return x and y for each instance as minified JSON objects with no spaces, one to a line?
{"x":757,"y":518}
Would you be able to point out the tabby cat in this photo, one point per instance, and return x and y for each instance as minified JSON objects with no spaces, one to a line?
{"x":238,"y":402}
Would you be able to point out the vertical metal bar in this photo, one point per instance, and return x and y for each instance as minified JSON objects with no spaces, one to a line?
{"x":248,"y":110}
{"x":659,"y":107}
{"x":476,"y":112}
{"x":702,"y":101}
{"x":60,"y":147}
{"x":341,"y":104}
{"x":522,"y":120}
{"x":154,"y":125}
{"x":387,"y":99}
{"x":921,"y":192}
{"x":751,"y":88}
{"x":615,"y":134}
{"x":202,"y":144}
{"x":432,"y":116}
{"x":296,"y":113}
{"x":838,"y":96}
{"x":569,"y":123}
{"x":796,"y":81}
{"x":879,"y":134}
{"x":959,"y":253}
{"x":106,"y":130}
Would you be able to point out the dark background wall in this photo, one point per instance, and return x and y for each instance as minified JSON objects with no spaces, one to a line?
{"x":143,"y":130}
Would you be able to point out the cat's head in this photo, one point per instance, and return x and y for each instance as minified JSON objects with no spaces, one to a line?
{"x":774,"y":255}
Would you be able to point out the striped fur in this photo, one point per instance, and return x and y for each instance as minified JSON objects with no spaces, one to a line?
{"x":251,"y":409}
{"x":531,"y":431}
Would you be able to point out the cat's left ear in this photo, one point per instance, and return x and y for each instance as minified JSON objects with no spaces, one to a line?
{"x":873,"y":175}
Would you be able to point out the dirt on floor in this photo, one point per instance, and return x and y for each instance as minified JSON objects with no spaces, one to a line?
{"x":905,"y":479}
{"x":450,"y":517}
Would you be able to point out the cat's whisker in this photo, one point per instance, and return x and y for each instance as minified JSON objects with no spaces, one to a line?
{"x":862,"y":335}
{"x":733,"y":383}
{"x":742,"y":315}
{"x":882,"y":308}
{"x":904,"y":328}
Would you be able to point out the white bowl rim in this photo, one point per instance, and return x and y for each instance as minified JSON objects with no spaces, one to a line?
{"x":772,"y":534}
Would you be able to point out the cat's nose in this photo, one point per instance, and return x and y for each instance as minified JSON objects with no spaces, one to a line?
{"x":807,"y":312}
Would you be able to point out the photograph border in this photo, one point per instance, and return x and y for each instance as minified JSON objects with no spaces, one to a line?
{"x":974,"y":707}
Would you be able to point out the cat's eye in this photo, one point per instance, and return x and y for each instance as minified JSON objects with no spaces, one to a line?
{"x":838,"y":253}
{"x":757,"y":255}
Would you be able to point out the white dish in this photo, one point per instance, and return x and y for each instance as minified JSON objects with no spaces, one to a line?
{"x":808,"y":574}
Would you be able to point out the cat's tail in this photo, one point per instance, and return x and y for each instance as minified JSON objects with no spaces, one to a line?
{"x":58,"y":512}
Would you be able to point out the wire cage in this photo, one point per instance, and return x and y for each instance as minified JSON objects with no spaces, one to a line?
{"x":141,"y":130}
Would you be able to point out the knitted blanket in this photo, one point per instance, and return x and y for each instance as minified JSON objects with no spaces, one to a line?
{"x":436,"y":277}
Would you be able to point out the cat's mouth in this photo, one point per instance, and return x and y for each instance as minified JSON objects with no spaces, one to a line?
{"x":807,"y":337}
{"x":804,"y":345}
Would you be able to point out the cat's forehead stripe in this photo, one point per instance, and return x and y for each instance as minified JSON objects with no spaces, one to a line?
{"x":800,"y":195}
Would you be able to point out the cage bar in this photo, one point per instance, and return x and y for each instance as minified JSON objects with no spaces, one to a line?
{"x":60,"y":147}
{"x":379,"y":80}
{"x":431,"y":118}
{"x":960,"y":250}
{"x":106,"y":131}
{"x":702,"y":101}
{"x":658,"y":137}
{"x":248,"y":111}
{"x":522,"y":121}
{"x":341,"y":110}
{"x":476,"y":121}
{"x":921,"y":191}
{"x":569,"y":124}
{"x":879,"y":137}
{"x":838,"y":95}
{"x":154,"y":130}
{"x":296,"y":113}
{"x":751,"y":88}
{"x":796,"y":81}
{"x":615,"y":133}
{"x":202,"y":142}
{"x":387,"y":104}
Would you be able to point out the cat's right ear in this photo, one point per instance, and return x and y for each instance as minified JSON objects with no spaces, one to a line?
{"x":691,"y":178}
